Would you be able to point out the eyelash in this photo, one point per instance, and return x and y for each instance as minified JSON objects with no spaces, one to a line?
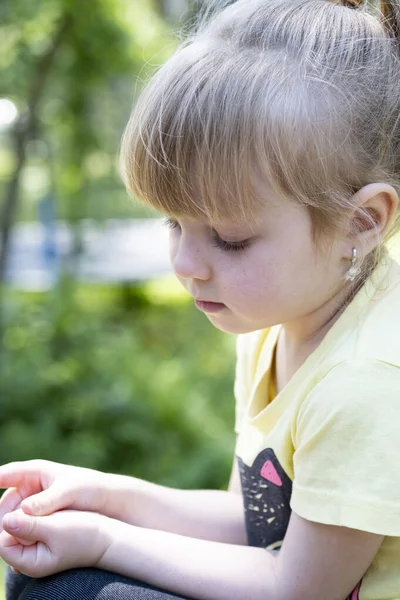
{"x":217,"y":241}
{"x":229,"y":246}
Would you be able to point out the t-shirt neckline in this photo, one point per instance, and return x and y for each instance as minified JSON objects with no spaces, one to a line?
{"x":348,"y":317}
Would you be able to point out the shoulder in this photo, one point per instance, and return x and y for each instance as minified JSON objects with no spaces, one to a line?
{"x":378,"y":332}
{"x":346,"y":443}
{"x":361,"y":379}
{"x":359,"y":374}
{"x":360,"y":392}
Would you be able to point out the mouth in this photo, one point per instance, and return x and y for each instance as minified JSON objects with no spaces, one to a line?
{"x":209,"y":307}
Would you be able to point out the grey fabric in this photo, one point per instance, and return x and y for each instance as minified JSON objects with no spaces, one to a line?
{"x":82,"y":584}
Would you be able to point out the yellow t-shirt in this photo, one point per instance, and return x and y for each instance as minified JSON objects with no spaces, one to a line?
{"x":328,"y":445}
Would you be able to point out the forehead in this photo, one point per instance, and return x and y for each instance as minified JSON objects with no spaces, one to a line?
{"x":229,"y":200}
{"x":272,"y":213}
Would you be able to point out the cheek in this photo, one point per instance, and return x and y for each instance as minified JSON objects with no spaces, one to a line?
{"x":173,"y":248}
{"x":268,"y":280}
{"x":250,"y":278}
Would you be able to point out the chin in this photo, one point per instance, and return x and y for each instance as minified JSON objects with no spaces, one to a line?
{"x":235,"y":328}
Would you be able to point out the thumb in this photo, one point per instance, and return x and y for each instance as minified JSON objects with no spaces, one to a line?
{"x":46,"y":502}
{"x":25,"y":527}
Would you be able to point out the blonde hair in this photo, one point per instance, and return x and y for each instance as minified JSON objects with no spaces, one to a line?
{"x":305,"y":93}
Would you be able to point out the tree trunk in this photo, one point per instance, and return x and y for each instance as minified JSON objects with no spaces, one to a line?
{"x":22,"y":133}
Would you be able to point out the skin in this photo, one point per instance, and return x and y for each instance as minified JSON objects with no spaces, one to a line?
{"x":172,"y":538}
{"x":281,"y":277}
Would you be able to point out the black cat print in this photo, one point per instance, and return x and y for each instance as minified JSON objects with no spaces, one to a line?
{"x":266,"y":497}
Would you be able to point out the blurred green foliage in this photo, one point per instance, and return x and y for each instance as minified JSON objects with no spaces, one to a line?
{"x":118,"y":380}
{"x":107,"y":48}
{"x":127,"y":378}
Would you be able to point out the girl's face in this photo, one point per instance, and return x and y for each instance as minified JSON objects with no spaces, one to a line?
{"x":259,"y":277}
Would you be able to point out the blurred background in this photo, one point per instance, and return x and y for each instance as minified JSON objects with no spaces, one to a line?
{"x":104,"y":361}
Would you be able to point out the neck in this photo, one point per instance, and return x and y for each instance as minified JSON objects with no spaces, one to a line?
{"x":302,"y":336}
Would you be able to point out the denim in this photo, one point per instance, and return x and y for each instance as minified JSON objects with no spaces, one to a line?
{"x":82,"y":584}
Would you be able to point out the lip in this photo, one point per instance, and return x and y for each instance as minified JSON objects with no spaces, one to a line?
{"x":209,"y":307}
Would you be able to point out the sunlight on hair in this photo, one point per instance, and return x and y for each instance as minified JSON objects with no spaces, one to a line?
{"x":304,"y":94}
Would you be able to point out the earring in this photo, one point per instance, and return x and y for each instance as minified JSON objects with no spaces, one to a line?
{"x":353,"y":271}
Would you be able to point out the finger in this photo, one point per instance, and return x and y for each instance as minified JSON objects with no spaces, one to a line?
{"x":15,"y":571}
{"x":7,"y":540}
{"x":47,"y":502}
{"x":16,"y":473}
{"x":12,"y":555}
{"x":25,"y":527}
{"x":25,"y":542}
{"x":10,"y":501}
{"x":22,"y":559}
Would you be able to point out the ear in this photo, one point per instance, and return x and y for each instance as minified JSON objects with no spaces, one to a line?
{"x":377,"y":204}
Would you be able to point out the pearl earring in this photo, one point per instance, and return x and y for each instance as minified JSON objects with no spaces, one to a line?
{"x":353,"y":271}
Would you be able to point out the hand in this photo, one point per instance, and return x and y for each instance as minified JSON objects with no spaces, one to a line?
{"x":41,"y":487}
{"x":41,"y":546}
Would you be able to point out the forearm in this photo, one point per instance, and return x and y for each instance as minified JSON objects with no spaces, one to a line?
{"x":190,"y":567}
{"x":205,"y":514}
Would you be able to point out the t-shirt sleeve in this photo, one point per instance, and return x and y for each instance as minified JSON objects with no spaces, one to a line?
{"x":347,"y":449}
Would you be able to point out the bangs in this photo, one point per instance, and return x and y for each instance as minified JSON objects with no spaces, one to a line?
{"x":212,"y":120}
{"x":187,"y":149}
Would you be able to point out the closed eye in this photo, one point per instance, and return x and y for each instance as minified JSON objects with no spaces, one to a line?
{"x":171,"y":223}
{"x":229,"y":246}
{"x":218,"y":242}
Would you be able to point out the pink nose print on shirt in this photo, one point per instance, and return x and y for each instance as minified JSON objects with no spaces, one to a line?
{"x":355,"y":593}
{"x":269,"y":473}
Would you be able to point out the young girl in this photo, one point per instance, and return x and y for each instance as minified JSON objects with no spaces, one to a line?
{"x":271,"y":140}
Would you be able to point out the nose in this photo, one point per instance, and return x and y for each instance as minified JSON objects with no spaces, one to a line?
{"x":188,"y":259}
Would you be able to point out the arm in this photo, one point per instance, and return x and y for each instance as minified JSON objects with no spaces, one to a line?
{"x":43,"y":487}
{"x":206,"y":514}
{"x":315,"y":561}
